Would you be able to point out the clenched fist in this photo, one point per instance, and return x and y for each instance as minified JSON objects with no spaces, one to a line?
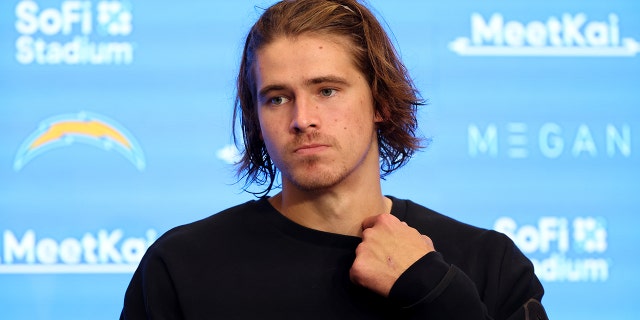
{"x":388,"y":248}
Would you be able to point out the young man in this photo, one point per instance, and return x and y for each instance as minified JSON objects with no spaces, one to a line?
{"x":324,"y":101}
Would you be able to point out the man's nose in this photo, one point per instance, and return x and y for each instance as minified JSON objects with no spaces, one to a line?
{"x":305,"y":115}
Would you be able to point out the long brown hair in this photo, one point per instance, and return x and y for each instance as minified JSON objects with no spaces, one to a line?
{"x":394,"y":94}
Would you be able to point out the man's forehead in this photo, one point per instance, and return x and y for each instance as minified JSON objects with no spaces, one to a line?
{"x":304,"y":59}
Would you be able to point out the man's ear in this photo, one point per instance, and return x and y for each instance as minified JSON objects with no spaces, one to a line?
{"x":377,"y":118}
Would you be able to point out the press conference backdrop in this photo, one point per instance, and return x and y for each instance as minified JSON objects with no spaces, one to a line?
{"x":115,"y":125}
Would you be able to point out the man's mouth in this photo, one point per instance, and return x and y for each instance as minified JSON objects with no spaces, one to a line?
{"x":310,"y":148}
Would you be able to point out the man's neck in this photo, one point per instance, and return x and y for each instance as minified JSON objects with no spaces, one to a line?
{"x":332,"y":210}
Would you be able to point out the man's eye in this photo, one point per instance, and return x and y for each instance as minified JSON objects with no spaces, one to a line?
{"x":327,"y":92}
{"x":278,"y":100}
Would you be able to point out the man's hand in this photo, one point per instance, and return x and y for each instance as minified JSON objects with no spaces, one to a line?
{"x":388,"y":248}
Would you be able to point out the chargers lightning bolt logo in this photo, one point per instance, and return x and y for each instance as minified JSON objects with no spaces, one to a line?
{"x":84,"y":127}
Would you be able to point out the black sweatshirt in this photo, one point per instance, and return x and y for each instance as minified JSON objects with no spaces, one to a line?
{"x":251,"y":262}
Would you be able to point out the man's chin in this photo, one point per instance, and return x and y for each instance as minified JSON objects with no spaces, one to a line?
{"x":315,"y":183}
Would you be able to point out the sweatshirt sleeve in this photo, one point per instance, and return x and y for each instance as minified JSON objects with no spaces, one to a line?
{"x":519,"y":291}
{"x":434,"y":289}
{"x":151,"y":293}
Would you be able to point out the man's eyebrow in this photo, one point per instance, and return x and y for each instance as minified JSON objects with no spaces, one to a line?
{"x":272,"y":87}
{"x":326,"y":79}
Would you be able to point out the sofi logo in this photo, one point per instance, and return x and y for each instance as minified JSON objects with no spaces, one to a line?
{"x":102,"y":252}
{"x":74,"y":33}
{"x":562,"y":249}
{"x":568,"y":35}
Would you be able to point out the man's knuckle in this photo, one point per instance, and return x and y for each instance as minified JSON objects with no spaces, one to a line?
{"x":386,"y":218}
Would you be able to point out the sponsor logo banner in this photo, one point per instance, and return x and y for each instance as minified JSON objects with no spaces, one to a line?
{"x":562,"y":249}
{"x":74,"y":33}
{"x":100,"y":252}
{"x":569,"y":35}
{"x":551,"y":140}
{"x":84,"y":127}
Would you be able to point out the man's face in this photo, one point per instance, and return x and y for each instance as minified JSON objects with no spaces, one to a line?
{"x":316,"y":112}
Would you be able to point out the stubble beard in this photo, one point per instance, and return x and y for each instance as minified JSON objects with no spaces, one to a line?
{"x":310,"y":177}
{"x":316,"y":173}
